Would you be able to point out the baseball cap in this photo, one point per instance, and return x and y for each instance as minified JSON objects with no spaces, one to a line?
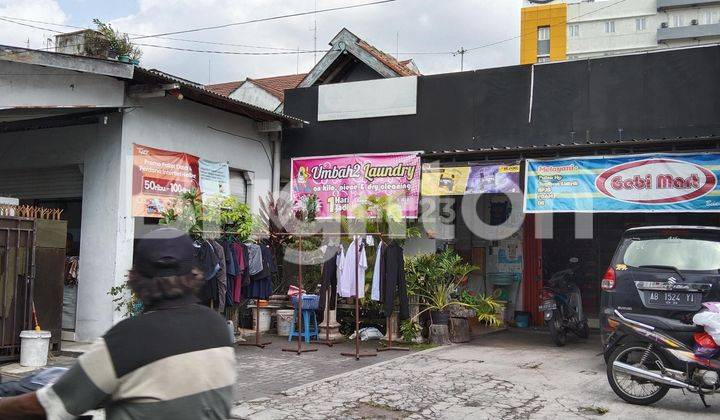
{"x":164,"y":252}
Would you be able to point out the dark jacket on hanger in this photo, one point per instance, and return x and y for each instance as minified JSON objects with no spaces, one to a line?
{"x":394,"y":283}
{"x":222,"y":280}
{"x":329,"y":278}
{"x":207,"y":262}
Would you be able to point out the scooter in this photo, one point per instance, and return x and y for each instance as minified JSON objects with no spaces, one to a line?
{"x":648,"y":355}
{"x":562,"y":305}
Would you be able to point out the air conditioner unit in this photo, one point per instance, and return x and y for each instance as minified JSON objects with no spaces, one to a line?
{"x":664,"y":25}
{"x":694,"y":22}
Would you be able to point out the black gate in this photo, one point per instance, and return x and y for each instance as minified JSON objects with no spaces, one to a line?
{"x":17,"y":272}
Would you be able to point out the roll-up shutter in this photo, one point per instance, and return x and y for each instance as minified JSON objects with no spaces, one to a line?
{"x":238,"y":185}
{"x":42,"y":183}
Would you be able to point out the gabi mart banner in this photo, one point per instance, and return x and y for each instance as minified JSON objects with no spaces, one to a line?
{"x":477,"y":179}
{"x":636,"y":183}
{"x":159,"y":176}
{"x":343,"y":183}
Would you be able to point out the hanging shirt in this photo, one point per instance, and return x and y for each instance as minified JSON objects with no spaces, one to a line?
{"x":339,"y":262}
{"x":375,"y":295}
{"x":354,"y":265}
{"x":255,"y":264}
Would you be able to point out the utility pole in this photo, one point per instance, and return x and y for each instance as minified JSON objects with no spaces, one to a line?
{"x":315,"y":36}
{"x":461,"y":52}
{"x":397,"y":45}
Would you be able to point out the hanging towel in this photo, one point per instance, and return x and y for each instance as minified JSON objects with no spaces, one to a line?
{"x":375,"y":295}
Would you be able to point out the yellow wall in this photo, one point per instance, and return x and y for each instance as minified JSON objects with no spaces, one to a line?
{"x":552,"y":15}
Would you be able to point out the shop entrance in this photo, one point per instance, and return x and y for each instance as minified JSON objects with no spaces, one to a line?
{"x":59,"y":187}
{"x":595,"y":253}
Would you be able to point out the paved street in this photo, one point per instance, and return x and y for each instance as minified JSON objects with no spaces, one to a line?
{"x":509,"y":375}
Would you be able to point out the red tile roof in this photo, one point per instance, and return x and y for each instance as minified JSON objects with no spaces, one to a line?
{"x":393,"y":64}
{"x":225,"y":89}
{"x":277,"y":85}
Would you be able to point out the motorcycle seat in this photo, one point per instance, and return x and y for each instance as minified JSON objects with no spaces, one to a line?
{"x":665,"y":324}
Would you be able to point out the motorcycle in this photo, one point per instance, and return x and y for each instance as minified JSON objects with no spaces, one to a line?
{"x":648,"y":355}
{"x":562,"y":305}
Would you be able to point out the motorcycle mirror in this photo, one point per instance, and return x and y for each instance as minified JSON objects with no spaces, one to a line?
{"x":574,"y":259}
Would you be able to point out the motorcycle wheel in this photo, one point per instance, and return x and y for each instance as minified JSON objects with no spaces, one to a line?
{"x":557,"y":332}
{"x":583,"y":330}
{"x":631,"y":389}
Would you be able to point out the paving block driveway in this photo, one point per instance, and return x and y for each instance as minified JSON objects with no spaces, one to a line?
{"x":508,"y":375}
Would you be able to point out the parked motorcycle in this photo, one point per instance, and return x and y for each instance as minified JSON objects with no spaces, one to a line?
{"x":647,"y":355}
{"x":562,"y":305}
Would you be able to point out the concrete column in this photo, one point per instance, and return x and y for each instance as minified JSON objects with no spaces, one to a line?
{"x":102,"y":232}
{"x":277,"y":152}
{"x":330,"y":324}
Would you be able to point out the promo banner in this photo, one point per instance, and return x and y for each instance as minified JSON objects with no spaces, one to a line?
{"x":158,"y":177}
{"x":343,"y":183}
{"x":478,"y":179}
{"x":214,"y":179}
{"x":637,"y":183}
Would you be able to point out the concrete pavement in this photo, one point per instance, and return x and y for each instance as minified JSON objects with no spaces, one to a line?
{"x":509,"y":375}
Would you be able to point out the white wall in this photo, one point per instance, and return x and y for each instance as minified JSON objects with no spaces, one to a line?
{"x":250,"y":93}
{"x":185,"y":126}
{"x":25,"y":85}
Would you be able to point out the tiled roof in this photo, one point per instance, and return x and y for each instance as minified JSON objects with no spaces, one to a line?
{"x":277,"y":85}
{"x":225,"y":89}
{"x":398,"y":67}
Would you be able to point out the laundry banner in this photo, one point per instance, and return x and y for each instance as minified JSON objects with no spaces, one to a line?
{"x":214,"y":179}
{"x":477,"y":179}
{"x":340,"y":185}
{"x":638,"y":183}
{"x":159,"y":176}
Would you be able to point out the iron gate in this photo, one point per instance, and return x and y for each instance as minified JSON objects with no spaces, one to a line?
{"x":17,"y":272}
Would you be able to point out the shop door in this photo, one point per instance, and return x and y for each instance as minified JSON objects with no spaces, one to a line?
{"x":238,"y":185}
{"x":42,"y":183}
{"x":17,"y":272}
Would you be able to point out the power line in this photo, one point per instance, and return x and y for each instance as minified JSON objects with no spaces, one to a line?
{"x":14,"y":20}
{"x":233,"y":52}
{"x":207,"y":28}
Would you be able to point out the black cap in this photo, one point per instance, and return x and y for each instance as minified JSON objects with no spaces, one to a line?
{"x":164,"y":252}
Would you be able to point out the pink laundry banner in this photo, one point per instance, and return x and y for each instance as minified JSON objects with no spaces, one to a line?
{"x":342,"y":184}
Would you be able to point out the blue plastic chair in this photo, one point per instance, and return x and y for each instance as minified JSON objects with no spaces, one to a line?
{"x":309,"y":330}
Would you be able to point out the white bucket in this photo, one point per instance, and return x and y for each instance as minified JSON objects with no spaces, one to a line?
{"x":284,"y":321}
{"x":34,"y":347}
{"x":265,"y":319}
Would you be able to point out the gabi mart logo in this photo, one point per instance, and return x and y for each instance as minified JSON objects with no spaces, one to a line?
{"x":656,"y":181}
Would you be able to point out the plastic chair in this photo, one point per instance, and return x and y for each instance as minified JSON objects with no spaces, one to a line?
{"x":309,"y":330}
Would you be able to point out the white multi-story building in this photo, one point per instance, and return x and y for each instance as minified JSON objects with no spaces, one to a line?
{"x":599,"y":28}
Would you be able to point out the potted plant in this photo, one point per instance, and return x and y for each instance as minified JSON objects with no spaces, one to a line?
{"x":119,"y":43}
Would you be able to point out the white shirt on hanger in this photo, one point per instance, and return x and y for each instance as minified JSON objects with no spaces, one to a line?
{"x":375,"y":295}
{"x":346,"y":282}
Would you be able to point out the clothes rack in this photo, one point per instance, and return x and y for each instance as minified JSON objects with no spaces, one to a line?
{"x":257,"y":342}
{"x":300,"y":349}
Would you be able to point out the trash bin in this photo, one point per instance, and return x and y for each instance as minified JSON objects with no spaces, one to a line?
{"x":509,"y":286}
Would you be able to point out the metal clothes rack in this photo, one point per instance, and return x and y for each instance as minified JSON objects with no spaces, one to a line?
{"x":258,"y":341}
{"x":299,"y":349}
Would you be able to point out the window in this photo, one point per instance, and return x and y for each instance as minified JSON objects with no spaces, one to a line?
{"x":573,"y":30}
{"x":679,"y":20}
{"x":640,"y":24}
{"x":543,"y":43}
{"x":610,"y":27}
{"x":709,"y":17}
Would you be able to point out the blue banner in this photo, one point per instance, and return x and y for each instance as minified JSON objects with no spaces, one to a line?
{"x":637,"y":183}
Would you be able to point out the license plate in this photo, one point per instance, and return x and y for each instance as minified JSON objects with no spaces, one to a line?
{"x":548,"y":305}
{"x":668,"y":300}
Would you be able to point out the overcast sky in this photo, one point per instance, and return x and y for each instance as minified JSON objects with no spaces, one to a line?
{"x":412,"y":26}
